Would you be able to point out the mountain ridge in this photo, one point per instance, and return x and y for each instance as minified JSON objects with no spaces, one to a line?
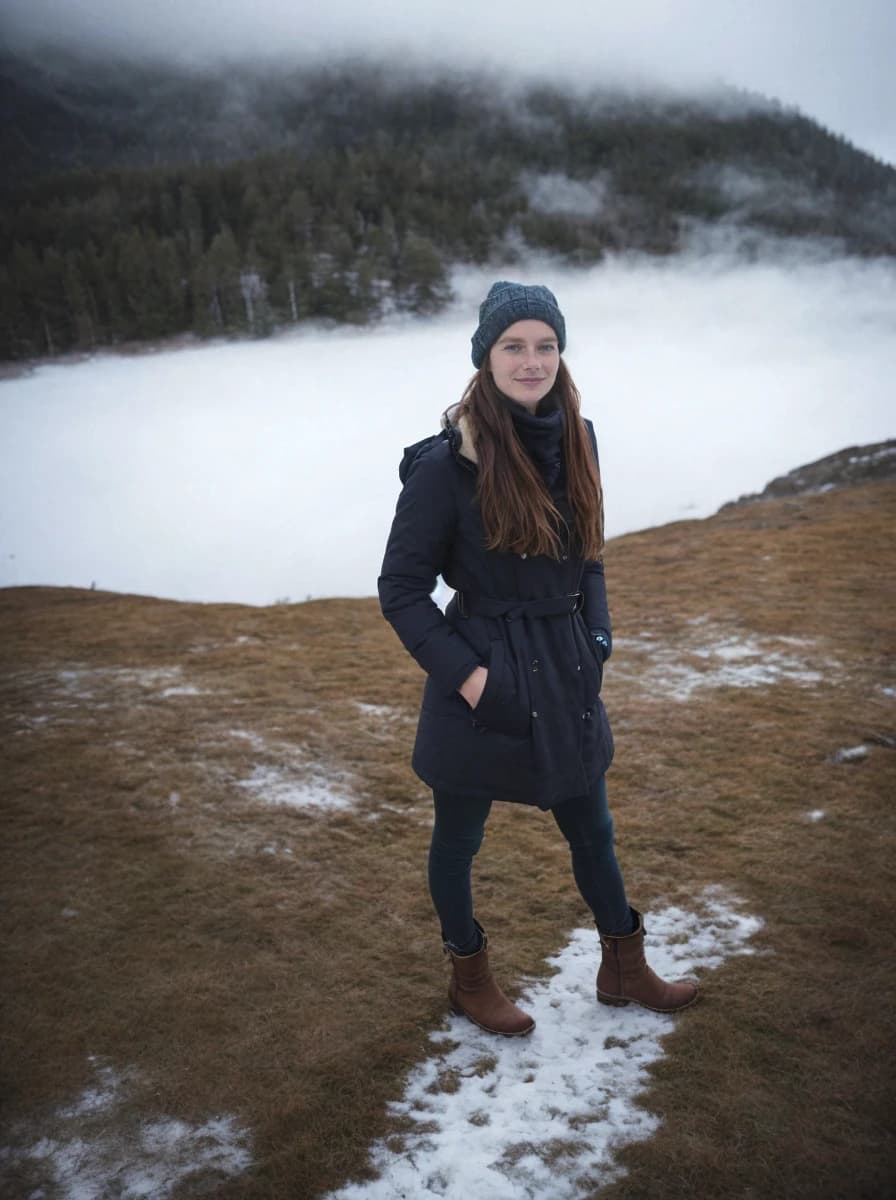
{"x":255,"y":101}
{"x":148,"y":203}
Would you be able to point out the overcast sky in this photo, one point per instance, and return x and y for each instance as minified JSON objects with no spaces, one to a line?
{"x":834,"y":59}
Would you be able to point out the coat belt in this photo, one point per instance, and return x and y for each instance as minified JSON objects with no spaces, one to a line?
{"x":511,"y":608}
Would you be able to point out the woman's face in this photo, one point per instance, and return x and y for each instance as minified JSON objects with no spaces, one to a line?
{"x":524,"y":362}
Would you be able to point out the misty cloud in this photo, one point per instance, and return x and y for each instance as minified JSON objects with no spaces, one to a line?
{"x":765,"y":191}
{"x":185,"y":473}
{"x":834,"y":61}
{"x":558,"y":194}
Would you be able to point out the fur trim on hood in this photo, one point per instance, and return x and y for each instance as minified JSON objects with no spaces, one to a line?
{"x":459,"y":428}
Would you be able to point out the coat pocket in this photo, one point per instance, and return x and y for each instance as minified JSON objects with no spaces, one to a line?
{"x":593,"y":663}
{"x":501,"y":709}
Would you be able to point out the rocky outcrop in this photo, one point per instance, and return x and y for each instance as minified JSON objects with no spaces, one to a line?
{"x":855,"y":464}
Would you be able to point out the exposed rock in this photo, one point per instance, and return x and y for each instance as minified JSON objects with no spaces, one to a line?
{"x":855,"y":464}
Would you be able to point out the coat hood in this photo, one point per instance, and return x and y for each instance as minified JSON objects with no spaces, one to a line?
{"x":456,"y":430}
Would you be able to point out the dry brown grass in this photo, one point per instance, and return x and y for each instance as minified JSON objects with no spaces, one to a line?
{"x":294,"y":989}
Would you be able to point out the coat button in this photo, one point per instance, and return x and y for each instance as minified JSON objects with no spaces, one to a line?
{"x":586,"y":715}
{"x":534,"y":664}
{"x":564,"y":557}
{"x":578,"y":666}
{"x":534,"y":714}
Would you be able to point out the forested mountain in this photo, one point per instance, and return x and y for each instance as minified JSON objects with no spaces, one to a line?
{"x":141,"y":202}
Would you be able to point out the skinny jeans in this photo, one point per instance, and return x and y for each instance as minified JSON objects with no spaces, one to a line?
{"x":584,"y":821}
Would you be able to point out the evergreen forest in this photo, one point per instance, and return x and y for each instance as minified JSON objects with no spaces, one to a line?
{"x":141,"y":204}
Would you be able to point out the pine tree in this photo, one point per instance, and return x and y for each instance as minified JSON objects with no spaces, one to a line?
{"x":22,"y":308}
{"x":170,"y":286}
{"x":420,"y":279}
{"x":222,"y":270}
{"x":291,"y":288}
{"x":54,"y":315}
{"x":15,"y":327}
{"x":191,"y":223}
{"x":79,"y":305}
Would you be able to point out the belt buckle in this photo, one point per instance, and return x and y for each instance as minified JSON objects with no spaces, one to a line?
{"x":578,"y":599}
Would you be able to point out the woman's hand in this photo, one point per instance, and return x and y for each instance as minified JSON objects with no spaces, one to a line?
{"x":473,"y":686}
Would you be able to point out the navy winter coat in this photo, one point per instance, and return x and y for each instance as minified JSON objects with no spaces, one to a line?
{"x":539,"y":734}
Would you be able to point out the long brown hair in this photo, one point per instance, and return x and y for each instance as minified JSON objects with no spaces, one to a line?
{"x":517,"y":510}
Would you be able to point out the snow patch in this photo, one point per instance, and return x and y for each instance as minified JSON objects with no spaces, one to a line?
{"x":383,"y":712}
{"x":82,"y":1160}
{"x":255,"y":740}
{"x":848,"y":754}
{"x":541,"y":1118}
{"x":27,"y":723}
{"x":291,"y":779}
{"x":94,"y":683}
{"x":81,"y":679}
{"x":875,"y":456}
{"x":401,"y":809}
{"x":105,"y":1093}
{"x":714,"y":658}
{"x":284,"y":786}
{"x":275,"y":848}
{"x":815,"y":814}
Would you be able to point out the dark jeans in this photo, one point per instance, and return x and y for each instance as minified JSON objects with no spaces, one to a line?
{"x":586,"y":824}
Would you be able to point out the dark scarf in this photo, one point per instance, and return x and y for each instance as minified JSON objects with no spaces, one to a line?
{"x":542,"y":435}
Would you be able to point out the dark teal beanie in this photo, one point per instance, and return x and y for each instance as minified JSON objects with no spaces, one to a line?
{"x":507,"y":303}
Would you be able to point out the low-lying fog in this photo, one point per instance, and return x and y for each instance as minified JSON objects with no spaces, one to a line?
{"x":264,"y":470}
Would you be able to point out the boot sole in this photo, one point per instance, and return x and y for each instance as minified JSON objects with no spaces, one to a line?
{"x":622,"y":1001}
{"x":459,"y":1012}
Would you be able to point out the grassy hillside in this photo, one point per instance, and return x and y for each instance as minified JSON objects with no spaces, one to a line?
{"x":174,"y":919}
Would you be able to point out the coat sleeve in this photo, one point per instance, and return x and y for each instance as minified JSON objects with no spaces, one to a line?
{"x":416,"y":553}
{"x":595,"y":609}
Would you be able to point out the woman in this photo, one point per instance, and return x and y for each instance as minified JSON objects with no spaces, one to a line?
{"x":506,"y":505}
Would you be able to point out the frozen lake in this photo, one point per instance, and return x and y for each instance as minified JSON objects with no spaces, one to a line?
{"x":259,"y":471}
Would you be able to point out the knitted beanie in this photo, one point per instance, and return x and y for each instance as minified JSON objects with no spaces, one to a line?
{"x":507,"y":303}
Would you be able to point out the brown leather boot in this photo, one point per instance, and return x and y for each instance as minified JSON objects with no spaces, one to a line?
{"x":473,"y":993}
{"x":625,"y":978}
